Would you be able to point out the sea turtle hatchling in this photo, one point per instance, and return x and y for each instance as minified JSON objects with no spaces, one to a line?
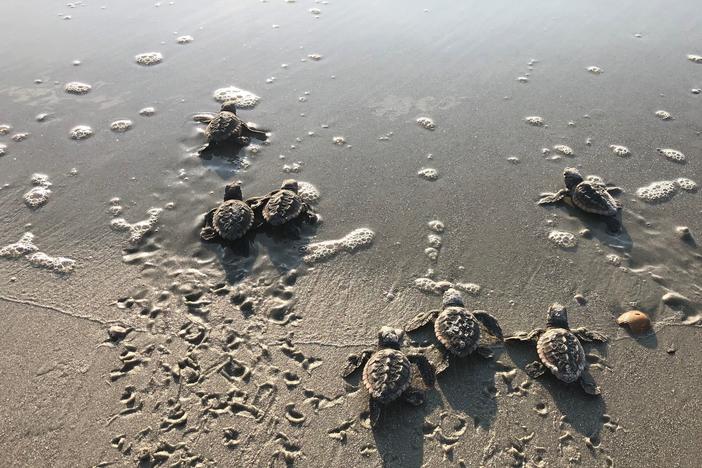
{"x":388,"y":372}
{"x":459,"y":331}
{"x":226,"y":126}
{"x":590,"y":195}
{"x":560,"y":349}
{"x":231,"y":220}
{"x":284,"y":205}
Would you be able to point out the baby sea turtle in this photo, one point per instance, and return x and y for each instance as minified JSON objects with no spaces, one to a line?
{"x":387,"y":374}
{"x":560,"y":350}
{"x":284,"y":205}
{"x":590,"y":195}
{"x":460,"y":332}
{"x":231,"y":220}
{"x":227,"y":126}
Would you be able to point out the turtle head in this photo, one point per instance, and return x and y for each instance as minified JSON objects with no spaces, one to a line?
{"x":389,"y":337}
{"x":572,"y":177}
{"x":557,"y":316}
{"x":233,"y":191}
{"x":290,"y":184}
{"x":229,"y":106}
{"x":452,"y":298}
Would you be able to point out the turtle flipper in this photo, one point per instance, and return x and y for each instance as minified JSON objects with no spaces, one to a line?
{"x":444,"y":363}
{"x":588,"y":383}
{"x":253,"y":132}
{"x":583,"y":334}
{"x":426,"y":369}
{"x":355,"y":361}
{"x":413,"y":396}
{"x":204,"y":149}
{"x":484,"y":352}
{"x":613,"y":190}
{"x":207,"y":232}
{"x":374,"y":411}
{"x":490,"y":322}
{"x":548,"y":198}
{"x":613,"y":223}
{"x":257,"y":204}
{"x":203,"y":117}
{"x":526,"y":336}
{"x":535,"y":369}
{"x":421,"y":319}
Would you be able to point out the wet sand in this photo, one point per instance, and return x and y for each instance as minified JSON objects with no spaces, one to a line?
{"x":233,"y":359}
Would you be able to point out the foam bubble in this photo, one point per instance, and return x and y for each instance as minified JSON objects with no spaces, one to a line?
{"x":76,"y":87}
{"x":657,"y":191}
{"x":436,"y":226}
{"x":315,"y":11}
{"x":187,"y":39}
{"x":339,"y":140}
{"x":432,"y":253}
{"x":58,"y":264}
{"x":563,"y":239}
{"x":39,"y":195}
{"x":434,"y":241}
{"x":138,"y":230}
{"x":620,"y":150}
{"x":351,"y":242}
{"x":315,"y":57}
{"x":20,"y":248}
{"x":147,"y":111}
{"x":673,"y":155}
{"x":295,"y":167}
{"x":242,"y":98}
{"x":694,"y":58}
{"x":534,"y":120}
{"x":563,"y":149}
{"x":428,"y":173}
{"x":81,"y":132}
{"x":663,"y":115}
{"x":121,"y":126}
{"x":470,"y":288}
{"x":308,"y":192}
{"x":595,"y":70}
{"x":3,"y":149}
{"x":21,"y":136}
{"x":426,"y":122}
{"x":613,"y":259}
{"x":430,"y":286}
{"x":149,"y":58}
{"x":686,"y":184}
{"x":5,"y":129}
{"x":522,"y":79}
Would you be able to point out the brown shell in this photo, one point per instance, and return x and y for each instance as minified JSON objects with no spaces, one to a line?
{"x":637,"y":321}
{"x":562,"y":353}
{"x":387,"y":375}
{"x":283,"y":206}
{"x":458,"y":330}
{"x":225,"y":125}
{"x":594,"y":198}
{"x":232,"y":219}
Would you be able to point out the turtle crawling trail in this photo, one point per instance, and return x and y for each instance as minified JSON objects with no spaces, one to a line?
{"x":226,"y":126}
{"x":459,"y":331}
{"x":387,"y":374}
{"x":590,"y":195}
{"x":560,"y":350}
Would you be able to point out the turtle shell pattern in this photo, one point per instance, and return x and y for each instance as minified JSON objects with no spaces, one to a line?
{"x":458,"y":330}
{"x":562,"y":353}
{"x":283,"y":206}
{"x":232,"y":219}
{"x":225,"y":125}
{"x":594,"y":198}
{"x":387,"y":375}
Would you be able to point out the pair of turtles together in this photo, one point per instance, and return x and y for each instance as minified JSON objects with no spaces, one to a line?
{"x":388,"y":374}
{"x":588,"y":194}
{"x":226,"y":126}
{"x":232,"y":219}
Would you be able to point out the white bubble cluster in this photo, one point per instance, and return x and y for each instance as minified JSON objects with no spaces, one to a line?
{"x":149,"y":58}
{"x":187,"y":39}
{"x":595,"y":70}
{"x":431,"y":286}
{"x":315,"y":57}
{"x":5,"y":129}
{"x":76,"y":87}
{"x":428,"y":173}
{"x":147,"y":111}
{"x":613,"y":259}
{"x":694,"y":58}
{"x":3,"y":149}
{"x":563,"y":239}
{"x":121,"y":126}
{"x":686,"y":184}
{"x":322,"y":251}
{"x":81,"y":132}
{"x":436,"y":226}
{"x":26,"y":247}
{"x":534,"y":120}
{"x":308,"y":192}
{"x":138,"y":230}
{"x":470,"y":288}
{"x":242,"y":98}
{"x":620,"y":150}
{"x":663,"y":115}
{"x":673,"y":155}
{"x":426,"y":122}
{"x":432,"y":253}
{"x":20,"y":136}
{"x":339,"y":140}
{"x":39,"y":194}
{"x":563,"y":149}
{"x":295,"y":167}
{"x":657,"y":191}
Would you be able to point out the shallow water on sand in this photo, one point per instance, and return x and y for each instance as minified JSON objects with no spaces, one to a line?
{"x":399,"y":116}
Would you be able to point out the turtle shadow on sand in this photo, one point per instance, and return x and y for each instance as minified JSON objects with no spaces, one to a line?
{"x":583,"y":412}
{"x":598,"y":227}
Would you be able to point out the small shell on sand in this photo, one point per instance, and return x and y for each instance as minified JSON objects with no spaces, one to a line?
{"x":637,"y":321}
